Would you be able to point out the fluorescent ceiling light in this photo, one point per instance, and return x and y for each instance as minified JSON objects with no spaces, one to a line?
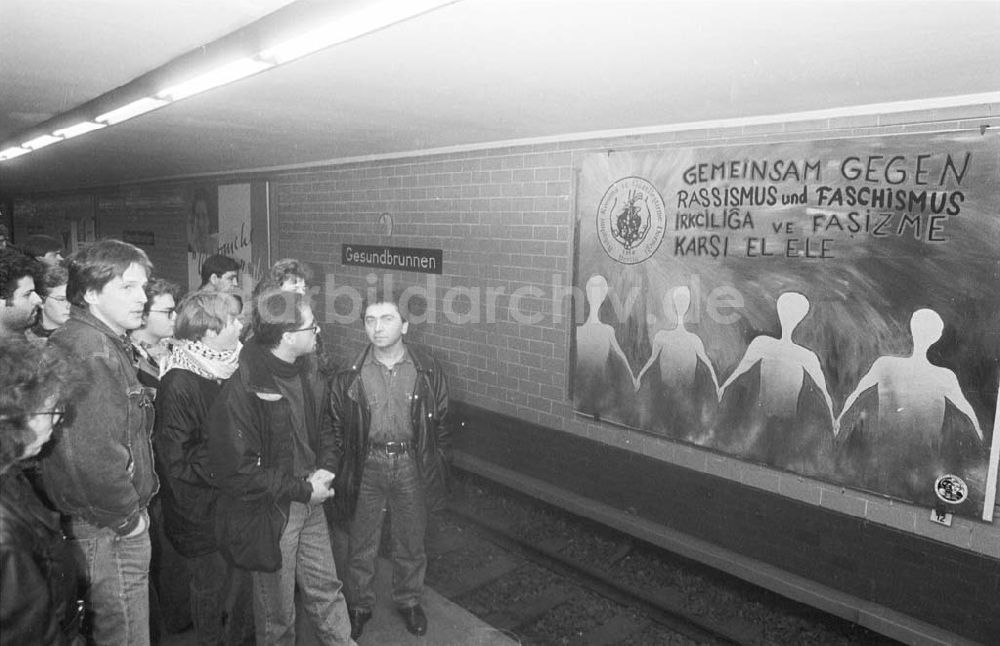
{"x":220,"y":76}
{"x":352,"y":25}
{"x":133,"y":109}
{"x":40,"y":142}
{"x":78,"y":129}
{"x":12,"y":152}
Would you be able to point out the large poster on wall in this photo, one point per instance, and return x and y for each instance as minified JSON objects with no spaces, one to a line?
{"x":828,"y":308}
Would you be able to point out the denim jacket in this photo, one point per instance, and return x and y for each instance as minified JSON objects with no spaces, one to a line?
{"x":100,"y":468}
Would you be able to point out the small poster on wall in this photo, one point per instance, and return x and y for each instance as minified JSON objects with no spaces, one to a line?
{"x":827,"y":308}
{"x":219,"y":222}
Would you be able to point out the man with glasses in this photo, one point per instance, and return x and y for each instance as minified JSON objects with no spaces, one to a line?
{"x":274,"y":468}
{"x":151,"y":341}
{"x":55,"y":306}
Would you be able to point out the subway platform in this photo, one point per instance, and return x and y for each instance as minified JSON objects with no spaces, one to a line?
{"x":447,"y":624}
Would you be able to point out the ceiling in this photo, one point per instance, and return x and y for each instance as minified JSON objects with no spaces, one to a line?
{"x":469,"y":73}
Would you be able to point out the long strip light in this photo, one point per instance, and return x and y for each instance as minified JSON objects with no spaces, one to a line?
{"x":344,"y":28}
{"x":40,"y":142}
{"x":12,"y":152}
{"x":371,"y":17}
{"x":79,"y":129}
{"x":220,"y":76}
{"x":134,"y":109}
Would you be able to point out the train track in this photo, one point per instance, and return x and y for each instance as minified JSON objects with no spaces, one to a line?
{"x":636,"y":610}
{"x":545,"y":576}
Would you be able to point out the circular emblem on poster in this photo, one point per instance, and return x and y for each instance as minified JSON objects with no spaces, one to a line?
{"x":951,"y":489}
{"x":631,"y":220}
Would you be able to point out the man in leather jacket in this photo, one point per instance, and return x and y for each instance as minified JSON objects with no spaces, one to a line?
{"x":389,"y":414}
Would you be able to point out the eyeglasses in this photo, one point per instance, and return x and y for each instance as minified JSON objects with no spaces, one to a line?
{"x":60,"y":299}
{"x":170,"y":312}
{"x":314,"y":327}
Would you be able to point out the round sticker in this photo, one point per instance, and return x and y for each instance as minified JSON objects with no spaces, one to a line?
{"x":631,"y":220}
{"x":951,"y":489}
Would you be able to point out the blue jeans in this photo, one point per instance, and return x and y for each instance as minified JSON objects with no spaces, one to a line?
{"x":221,"y":601}
{"x":390,"y":482}
{"x":306,"y":560}
{"x":117,"y":572}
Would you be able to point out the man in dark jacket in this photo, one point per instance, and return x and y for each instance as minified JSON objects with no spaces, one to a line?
{"x":100,"y":472}
{"x":275,"y":469}
{"x":389,"y":414}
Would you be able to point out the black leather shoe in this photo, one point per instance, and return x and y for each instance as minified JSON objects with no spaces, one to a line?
{"x":358,"y":620}
{"x":416,"y":620}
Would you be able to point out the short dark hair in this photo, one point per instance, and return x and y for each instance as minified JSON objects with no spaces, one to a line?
{"x":14,"y":266}
{"x":40,"y":244}
{"x":202,"y":311}
{"x":52,"y":277}
{"x":216,"y":266}
{"x":160,"y":287}
{"x":276,"y":312}
{"x":29,"y":377}
{"x":97,"y":264}
{"x":378,"y":296}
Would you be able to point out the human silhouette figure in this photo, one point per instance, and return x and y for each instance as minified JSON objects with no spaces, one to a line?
{"x":679,"y":350}
{"x":906,"y":447}
{"x":603,"y":380}
{"x":678,"y":404}
{"x":781,"y":417}
{"x":783,"y":363}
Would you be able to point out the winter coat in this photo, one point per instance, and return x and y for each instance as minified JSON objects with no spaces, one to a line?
{"x":181,"y":439}
{"x":101,"y":468}
{"x":38,"y":574}
{"x":350,"y":424}
{"x":250,"y":455}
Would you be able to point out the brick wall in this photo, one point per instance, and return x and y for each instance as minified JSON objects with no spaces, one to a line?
{"x":503,"y":217}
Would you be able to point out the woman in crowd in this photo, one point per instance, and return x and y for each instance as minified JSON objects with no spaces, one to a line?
{"x":38,"y":574}
{"x":205,"y":353}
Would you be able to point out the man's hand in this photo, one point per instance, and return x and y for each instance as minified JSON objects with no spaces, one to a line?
{"x":323,"y":476}
{"x":322,"y":482}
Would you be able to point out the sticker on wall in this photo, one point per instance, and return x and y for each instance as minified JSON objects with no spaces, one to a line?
{"x":951,"y":489}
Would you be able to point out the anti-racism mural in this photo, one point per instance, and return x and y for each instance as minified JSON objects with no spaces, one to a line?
{"x":829,"y":308}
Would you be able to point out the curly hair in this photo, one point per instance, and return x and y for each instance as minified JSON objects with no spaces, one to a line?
{"x":14,"y":266}
{"x":31,"y":376}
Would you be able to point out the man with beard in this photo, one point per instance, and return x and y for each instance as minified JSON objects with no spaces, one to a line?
{"x":19,"y":303}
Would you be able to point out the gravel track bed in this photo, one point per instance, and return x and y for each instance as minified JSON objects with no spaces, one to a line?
{"x":456,"y":549}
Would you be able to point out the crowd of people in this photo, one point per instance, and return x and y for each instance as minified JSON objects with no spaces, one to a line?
{"x":168,"y":460}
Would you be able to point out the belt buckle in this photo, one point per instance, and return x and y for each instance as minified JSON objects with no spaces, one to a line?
{"x":395,"y":448}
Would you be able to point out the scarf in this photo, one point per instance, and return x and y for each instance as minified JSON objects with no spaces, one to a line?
{"x":202,"y":360}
